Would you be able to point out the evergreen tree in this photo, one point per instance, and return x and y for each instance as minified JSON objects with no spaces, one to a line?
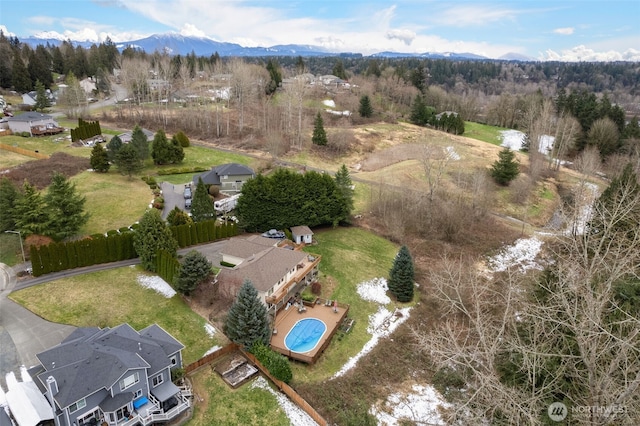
{"x":300,"y":66}
{"x":632,"y":129}
{"x":30,"y":212}
{"x":42,"y":100}
{"x":319,"y":135}
{"x":176,"y":151}
{"x":152,"y":235}
{"x":418,"y":111}
{"x":113,"y":146}
{"x":506,"y":168}
{"x":65,"y":208}
{"x":178,"y":217}
{"x":99,"y":159}
{"x":39,"y":66}
{"x":195,"y":268}
{"x":140,"y":142}
{"x":128,"y":161}
{"x":19,"y":74}
{"x":202,"y":206}
{"x":345,"y":186}
{"x":401,"y":276}
{"x":160,"y":148}
{"x":365,"y":110}
{"x":183,"y":139}
{"x":9,"y":196}
{"x":338,"y":70}
{"x":247,"y":322}
{"x":276,"y":75}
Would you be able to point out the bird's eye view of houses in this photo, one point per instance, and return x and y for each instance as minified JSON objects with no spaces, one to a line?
{"x":222,"y":213}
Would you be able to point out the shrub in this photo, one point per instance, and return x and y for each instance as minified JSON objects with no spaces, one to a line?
{"x":316,"y":287}
{"x":278,"y":365}
{"x":223,"y":263}
{"x":112,"y":232}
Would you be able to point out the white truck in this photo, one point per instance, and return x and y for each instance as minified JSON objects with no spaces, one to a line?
{"x":225,"y":205}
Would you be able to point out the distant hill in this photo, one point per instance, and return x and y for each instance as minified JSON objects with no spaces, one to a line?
{"x":175,"y":44}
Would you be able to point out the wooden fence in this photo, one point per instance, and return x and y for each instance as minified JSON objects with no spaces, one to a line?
{"x":285,"y":388}
{"x":23,"y":151}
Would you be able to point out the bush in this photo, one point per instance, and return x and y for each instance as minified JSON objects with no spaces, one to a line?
{"x":223,"y":263}
{"x":112,"y":232}
{"x":316,"y":287}
{"x":278,"y":365}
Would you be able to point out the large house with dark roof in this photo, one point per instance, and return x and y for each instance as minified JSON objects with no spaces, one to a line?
{"x":229,"y":177}
{"x":112,"y":376}
{"x":277,"y":273}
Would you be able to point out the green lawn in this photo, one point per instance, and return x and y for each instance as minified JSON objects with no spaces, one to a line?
{"x":109,"y":298}
{"x":483,"y":132}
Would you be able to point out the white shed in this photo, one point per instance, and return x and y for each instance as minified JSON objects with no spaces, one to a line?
{"x":302,"y":234}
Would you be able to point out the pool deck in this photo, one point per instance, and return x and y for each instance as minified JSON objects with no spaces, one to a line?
{"x":287,"y":318}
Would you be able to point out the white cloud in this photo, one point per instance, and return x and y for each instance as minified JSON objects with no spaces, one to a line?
{"x":189,"y":30}
{"x":6,"y":32}
{"x":407,"y":36}
{"x":583,"y":54}
{"x":564,"y":31}
{"x":472,"y":15}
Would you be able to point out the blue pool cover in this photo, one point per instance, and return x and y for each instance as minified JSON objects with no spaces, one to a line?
{"x":140,"y":402}
{"x":305,"y":335}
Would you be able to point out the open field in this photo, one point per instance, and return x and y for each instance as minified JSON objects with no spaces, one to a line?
{"x":483,"y":132}
{"x":109,"y":298}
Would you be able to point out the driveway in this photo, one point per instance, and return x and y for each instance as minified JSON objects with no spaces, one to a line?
{"x":23,"y":334}
{"x":173,"y":196}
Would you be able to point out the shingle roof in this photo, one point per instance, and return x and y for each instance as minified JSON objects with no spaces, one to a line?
{"x":93,"y":359}
{"x":301,"y":230}
{"x":212,"y":177}
{"x":266,"y":268}
{"x":31,"y":116}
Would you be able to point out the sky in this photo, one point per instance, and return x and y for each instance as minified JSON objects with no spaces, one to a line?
{"x":565,"y":30}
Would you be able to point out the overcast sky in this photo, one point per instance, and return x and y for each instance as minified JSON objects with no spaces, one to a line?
{"x":586,"y":30}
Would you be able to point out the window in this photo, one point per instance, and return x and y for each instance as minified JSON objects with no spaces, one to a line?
{"x":129,"y":381}
{"x":137,"y":394}
{"x":157,"y":380}
{"x":174,"y":360}
{"x":78,"y":405}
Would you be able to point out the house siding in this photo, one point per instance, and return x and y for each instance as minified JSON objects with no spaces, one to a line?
{"x":92,"y":404}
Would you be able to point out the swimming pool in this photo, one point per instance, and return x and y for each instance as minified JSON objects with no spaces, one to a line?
{"x":305,"y":335}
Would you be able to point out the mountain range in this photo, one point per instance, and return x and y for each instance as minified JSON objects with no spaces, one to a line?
{"x":175,"y":44}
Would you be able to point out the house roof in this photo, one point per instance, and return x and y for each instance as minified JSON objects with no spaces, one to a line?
{"x":127,"y":136}
{"x":92,"y":359}
{"x":212,"y":177}
{"x":301,"y":230}
{"x":245,"y":248}
{"x":31,"y":116}
{"x":266,"y":268}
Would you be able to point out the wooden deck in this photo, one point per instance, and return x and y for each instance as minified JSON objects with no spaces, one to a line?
{"x":287,"y":318}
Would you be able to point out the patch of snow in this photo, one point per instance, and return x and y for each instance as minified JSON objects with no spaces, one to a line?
{"x":452,"y":154}
{"x":211,"y":330}
{"x":212,"y":350}
{"x":329,"y":102}
{"x":587,"y":197}
{"x":296,"y":415}
{"x":420,"y":406}
{"x":374,"y":291}
{"x":345,"y":113}
{"x":157,"y":284}
{"x":381,"y":324}
{"x":521,"y":254}
{"x":515,"y":138}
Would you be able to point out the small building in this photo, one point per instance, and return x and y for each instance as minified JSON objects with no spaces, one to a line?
{"x":126,"y":137}
{"x":111,"y":376}
{"x":302,"y":234}
{"x":229,"y":177}
{"x":31,"y":98}
{"x":32,"y":122}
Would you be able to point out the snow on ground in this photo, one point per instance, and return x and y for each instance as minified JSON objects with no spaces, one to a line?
{"x":514,"y":139}
{"x":212,"y":350}
{"x":296,"y":415}
{"x":588,"y":196}
{"x":452,"y":154}
{"x":329,"y":102}
{"x":381,"y":324}
{"x":521,"y":254}
{"x":420,"y":406}
{"x":157,"y":284}
{"x":346,"y":113}
{"x":374,"y":291}
{"x":211,"y":330}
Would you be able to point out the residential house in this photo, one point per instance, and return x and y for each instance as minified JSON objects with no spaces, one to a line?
{"x":126,"y":137}
{"x":32,"y":122}
{"x":30,"y":98}
{"x":229,"y":177}
{"x":302,"y":234}
{"x":277,"y":273}
{"x":112,"y":376}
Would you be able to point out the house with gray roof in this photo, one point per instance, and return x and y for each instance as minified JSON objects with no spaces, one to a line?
{"x":31,"y":122}
{"x":112,"y":376}
{"x":277,"y":273}
{"x":229,"y":177}
{"x":127,"y":136}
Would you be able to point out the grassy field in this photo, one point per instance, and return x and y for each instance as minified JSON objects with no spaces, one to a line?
{"x":45,"y":145}
{"x":112,"y":200}
{"x":109,"y":298}
{"x":483,"y":132}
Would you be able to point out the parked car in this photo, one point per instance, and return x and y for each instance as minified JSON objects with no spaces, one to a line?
{"x":187,"y":203}
{"x":187,"y":192}
{"x":274,"y":233}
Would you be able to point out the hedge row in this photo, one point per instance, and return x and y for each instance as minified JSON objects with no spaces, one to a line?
{"x":85,"y":130}
{"x":116,"y":246}
{"x":76,"y":254}
{"x":181,"y":170}
{"x":167,"y":266}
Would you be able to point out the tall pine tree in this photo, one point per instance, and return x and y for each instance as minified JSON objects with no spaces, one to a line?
{"x":140,"y":142}
{"x":152,"y":235}
{"x":319,"y":135}
{"x":201,"y":205}
{"x":401,"y":276}
{"x":365,"y":110}
{"x":9,"y":196}
{"x":128,"y":161}
{"x":247,"y":322}
{"x":65,"y":207}
{"x":99,"y":159}
{"x":505,"y":168}
{"x":345,"y":186}
{"x":30,"y":212}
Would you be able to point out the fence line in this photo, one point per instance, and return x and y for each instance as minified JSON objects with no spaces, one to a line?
{"x":23,"y":151}
{"x":285,"y":388}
